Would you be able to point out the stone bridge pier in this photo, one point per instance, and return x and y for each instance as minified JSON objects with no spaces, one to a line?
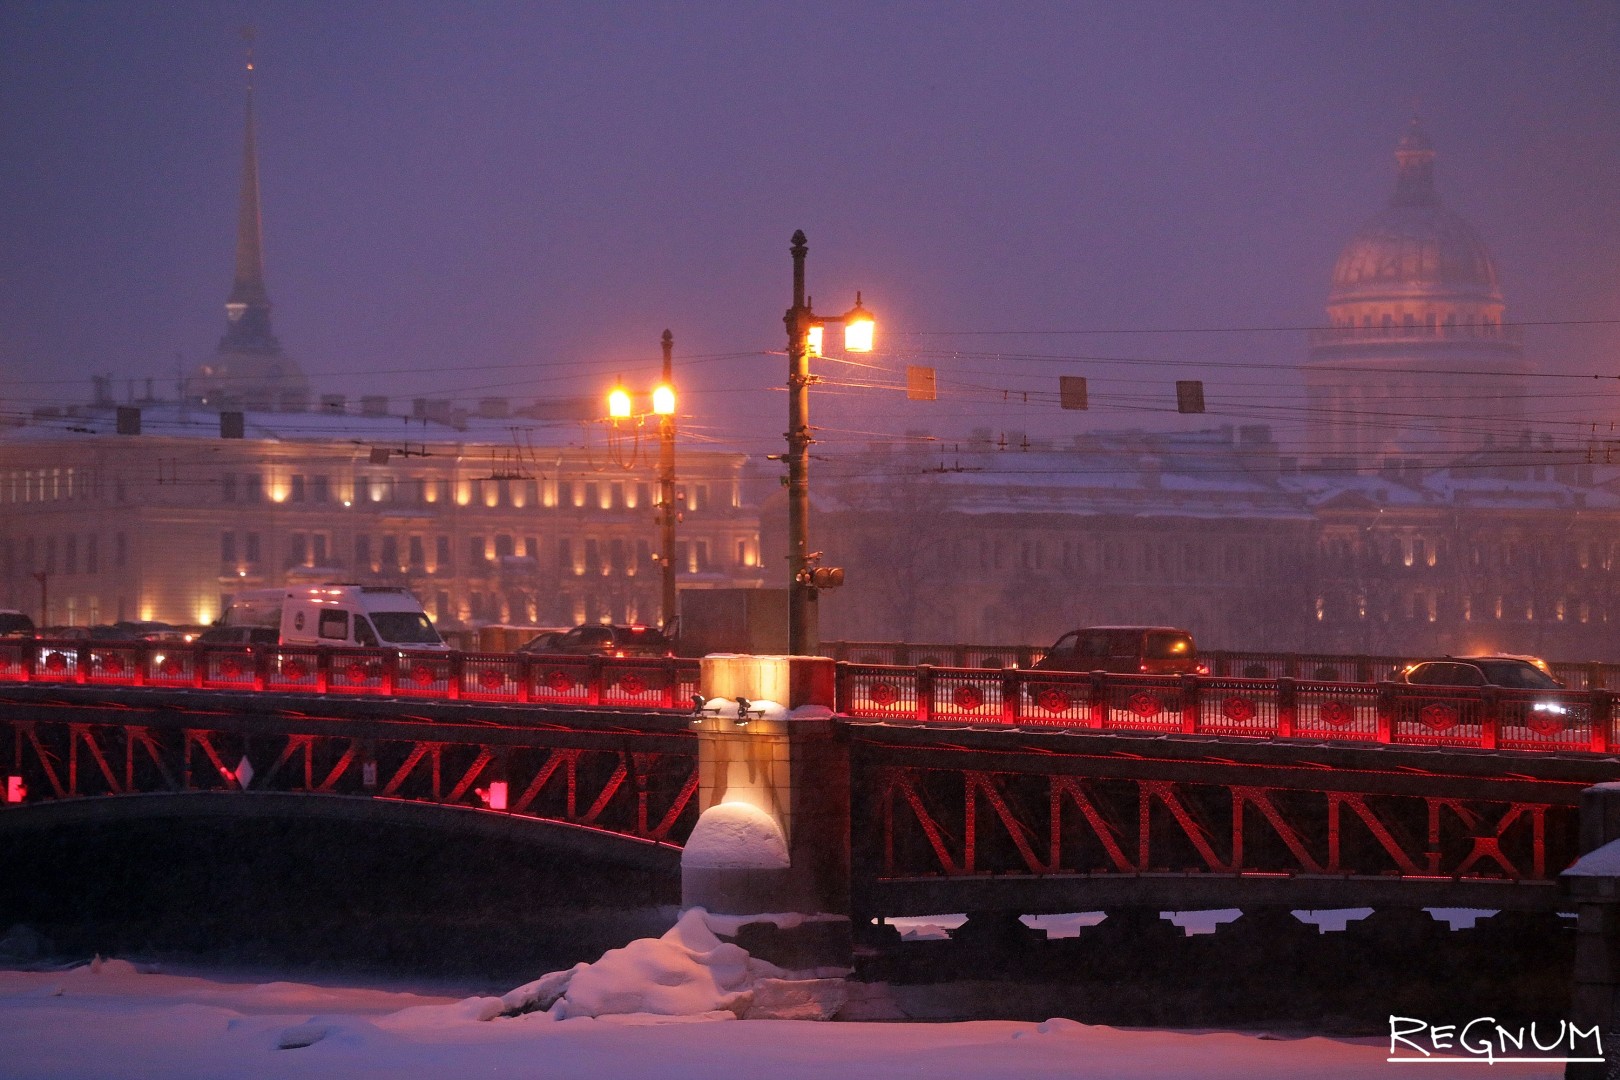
{"x":773,"y":830}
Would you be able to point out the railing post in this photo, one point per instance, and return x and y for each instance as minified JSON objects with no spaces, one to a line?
{"x":1099,"y":700}
{"x":1386,"y":712}
{"x":841,"y":679}
{"x":1594,"y":676}
{"x":1189,"y":704}
{"x":390,"y":672}
{"x":1012,"y":695}
{"x":323,"y":670}
{"x":142,"y":665}
{"x":1287,"y":705}
{"x":925,"y":693}
{"x":1602,"y":717}
{"x":1364,"y":672}
{"x":458,"y":674}
{"x":595,"y":669}
{"x":672,"y":675}
{"x":199,"y":666}
{"x":1490,"y":704}
{"x":261,"y":666}
{"x":81,"y":663}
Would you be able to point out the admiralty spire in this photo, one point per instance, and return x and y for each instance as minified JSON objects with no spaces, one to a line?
{"x":248,"y":369}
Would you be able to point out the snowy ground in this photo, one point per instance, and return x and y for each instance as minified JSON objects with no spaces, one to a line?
{"x":116,"y":1022}
{"x":111,"y":1019}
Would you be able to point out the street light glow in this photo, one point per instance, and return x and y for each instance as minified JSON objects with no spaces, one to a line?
{"x":859,"y":328}
{"x":619,"y":403}
{"x":663,"y":399}
{"x":812,"y":346}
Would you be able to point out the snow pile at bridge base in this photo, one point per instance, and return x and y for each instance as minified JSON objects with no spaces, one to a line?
{"x":688,"y":974}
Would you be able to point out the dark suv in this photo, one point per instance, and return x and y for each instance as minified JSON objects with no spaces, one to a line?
{"x":1513,"y":672}
{"x":15,"y":624}
{"x":1451,"y":690}
{"x":601,"y":641}
{"x":1129,"y":650}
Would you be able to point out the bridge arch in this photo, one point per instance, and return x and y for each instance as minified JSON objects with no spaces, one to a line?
{"x":552,"y":838}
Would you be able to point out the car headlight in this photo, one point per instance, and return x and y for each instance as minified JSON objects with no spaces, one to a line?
{"x":1551,"y":707}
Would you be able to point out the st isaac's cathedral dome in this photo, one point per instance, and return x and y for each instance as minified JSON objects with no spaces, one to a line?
{"x":1415,"y":247}
{"x":1415,"y":357}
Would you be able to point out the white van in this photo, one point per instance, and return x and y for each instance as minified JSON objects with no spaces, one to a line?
{"x":358,"y":616}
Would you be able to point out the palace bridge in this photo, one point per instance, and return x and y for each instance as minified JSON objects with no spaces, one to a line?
{"x":899,"y":789}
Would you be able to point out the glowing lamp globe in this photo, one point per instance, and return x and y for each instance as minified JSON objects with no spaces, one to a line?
{"x":859,"y":328}
{"x":663,"y":400}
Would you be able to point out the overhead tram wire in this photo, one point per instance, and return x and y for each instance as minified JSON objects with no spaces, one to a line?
{"x":1093,"y":331}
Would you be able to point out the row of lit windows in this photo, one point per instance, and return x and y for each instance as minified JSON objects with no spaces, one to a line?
{"x":388,"y":553}
{"x":1431,"y":607}
{"x":488,"y":492}
{"x":48,"y":485}
{"x":68,"y":554}
{"x":1165,"y":560}
{"x":1417,"y":551}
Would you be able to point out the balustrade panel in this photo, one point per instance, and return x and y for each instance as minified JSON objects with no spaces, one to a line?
{"x":882,"y":691}
{"x":1238,"y":706}
{"x":226,"y":667}
{"x":485,"y":677}
{"x":560,"y":680}
{"x":1326,"y":710}
{"x":967,"y":696}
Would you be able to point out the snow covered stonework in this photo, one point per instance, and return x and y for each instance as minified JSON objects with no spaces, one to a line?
{"x":736,"y":836}
{"x":736,"y":862}
{"x":689,"y":972}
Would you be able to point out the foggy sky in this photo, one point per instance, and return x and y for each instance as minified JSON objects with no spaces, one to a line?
{"x":464,"y":200}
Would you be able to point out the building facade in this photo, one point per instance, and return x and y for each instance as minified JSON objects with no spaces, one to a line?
{"x":167,"y":524}
{"x":1218,"y":533}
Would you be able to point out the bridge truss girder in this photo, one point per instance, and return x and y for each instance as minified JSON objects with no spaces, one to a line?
{"x":591,"y":772}
{"x":963,"y":820}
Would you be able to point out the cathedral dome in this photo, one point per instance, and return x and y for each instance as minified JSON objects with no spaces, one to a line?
{"x":1415,"y":248}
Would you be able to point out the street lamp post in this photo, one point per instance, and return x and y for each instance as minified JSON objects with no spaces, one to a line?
{"x":804,"y":328}
{"x":663,"y":406}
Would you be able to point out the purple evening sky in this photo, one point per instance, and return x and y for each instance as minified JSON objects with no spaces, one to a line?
{"x":470,"y":199}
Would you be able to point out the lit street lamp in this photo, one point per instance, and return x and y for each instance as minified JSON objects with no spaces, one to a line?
{"x":804,"y":330}
{"x":663,"y":406}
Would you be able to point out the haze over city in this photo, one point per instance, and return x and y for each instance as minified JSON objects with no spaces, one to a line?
{"x":516,"y":200}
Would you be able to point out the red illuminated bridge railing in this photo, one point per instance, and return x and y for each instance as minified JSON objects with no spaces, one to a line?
{"x":1482,"y":718}
{"x":1489,"y":718}
{"x":495,"y":677}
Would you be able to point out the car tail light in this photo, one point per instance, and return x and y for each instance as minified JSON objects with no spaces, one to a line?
{"x":1202,"y":669}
